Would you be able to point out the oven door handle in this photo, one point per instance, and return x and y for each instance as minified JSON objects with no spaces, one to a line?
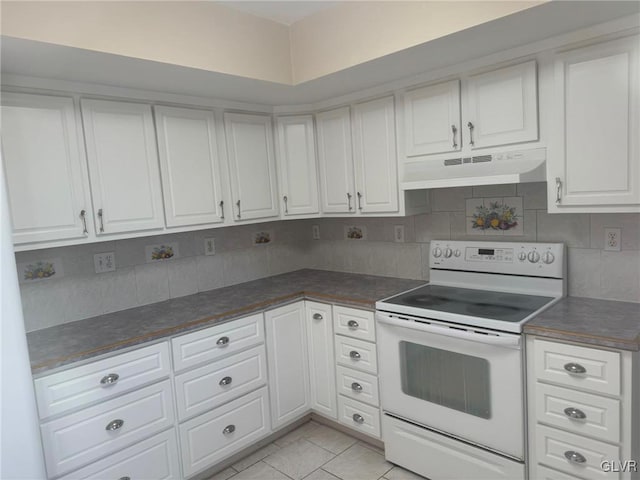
{"x":507,"y":341}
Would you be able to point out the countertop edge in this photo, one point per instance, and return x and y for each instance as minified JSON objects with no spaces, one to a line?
{"x":596,"y":340}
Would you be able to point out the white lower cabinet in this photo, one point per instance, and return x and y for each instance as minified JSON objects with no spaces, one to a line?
{"x":215,"y":435}
{"x":359,"y":416}
{"x":153,"y":459}
{"x":321,"y":361}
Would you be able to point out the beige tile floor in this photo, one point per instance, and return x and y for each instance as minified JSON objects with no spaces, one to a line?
{"x":315,"y":452}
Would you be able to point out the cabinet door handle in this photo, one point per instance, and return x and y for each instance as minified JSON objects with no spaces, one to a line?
{"x":223,"y":341}
{"x":574,"y":457}
{"x":83,"y":216}
{"x":221,"y":204}
{"x":358,"y":418}
{"x":471,"y":127}
{"x":575,"y":368}
{"x":114,"y":425}
{"x":349,"y":200}
{"x":317,"y":316}
{"x":286,"y":206}
{"x":109,"y":380}
{"x":355,"y":355}
{"x":558,"y":190}
{"x":225,"y":381}
{"x":101,"y":221}
{"x":356,"y":387}
{"x":575,"y":413}
{"x":454,"y":131}
{"x":238,"y":205}
{"x":353,"y":325}
{"x":229,"y":429}
{"x":359,"y":201}
{"x":124,"y":478}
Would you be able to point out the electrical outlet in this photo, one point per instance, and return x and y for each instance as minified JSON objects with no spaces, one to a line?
{"x":398,"y":233}
{"x":612,"y":239}
{"x":315,"y":231}
{"x":104,"y":262}
{"x":209,"y":246}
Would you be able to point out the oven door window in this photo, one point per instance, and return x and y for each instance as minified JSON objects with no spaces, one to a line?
{"x":451,"y":379}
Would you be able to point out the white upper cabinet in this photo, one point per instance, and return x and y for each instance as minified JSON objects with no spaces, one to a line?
{"x":123,"y":166}
{"x":501,"y":107}
{"x":252,"y":166}
{"x":432,"y":119}
{"x":297,"y":165}
{"x":594,"y":161}
{"x":190,"y":166}
{"x":46,"y":178}
{"x":376,"y":165}
{"x":335,"y":158}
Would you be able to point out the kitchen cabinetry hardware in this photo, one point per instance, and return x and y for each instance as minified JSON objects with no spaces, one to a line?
{"x":238,"y":205}
{"x":575,"y":368}
{"x":575,"y":413}
{"x":317,"y":316}
{"x":221,"y":204}
{"x":110,"y":379}
{"x":114,"y":425}
{"x":558,"y":190}
{"x":356,"y":387}
{"x":358,"y":418}
{"x":471,"y":127}
{"x":454,"y":131}
{"x":574,"y":457}
{"x":355,"y":355}
{"x":229,"y":429}
{"x":353,"y":325}
{"x":101,"y":221}
{"x":83,"y":216}
{"x":124,"y":478}
{"x":359,"y":201}
{"x":225,"y":381}
{"x":286,"y":207}
{"x":222,"y":341}
{"x":349,"y":200}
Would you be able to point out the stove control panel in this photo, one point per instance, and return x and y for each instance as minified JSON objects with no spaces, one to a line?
{"x":536,"y":259}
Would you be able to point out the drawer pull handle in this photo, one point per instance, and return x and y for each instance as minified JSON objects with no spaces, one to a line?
{"x":574,"y":457}
{"x":225,"y":381}
{"x":575,"y":368}
{"x":317,"y":316}
{"x":114,"y":425}
{"x":355,"y":355}
{"x":356,"y":387}
{"x":353,"y":325}
{"x":575,"y":413}
{"x":109,"y":380}
{"x":358,"y":418}
{"x":222,"y":341}
{"x":124,"y":478}
{"x":229,"y":429}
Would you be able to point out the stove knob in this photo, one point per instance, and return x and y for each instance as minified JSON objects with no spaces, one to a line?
{"x":533,"y":256}
{"x":548,"y":257}
{"x":448,"y":252}
{"x":522,"y":256}
{"x":457,"y":253}
{"x":437,"y":252}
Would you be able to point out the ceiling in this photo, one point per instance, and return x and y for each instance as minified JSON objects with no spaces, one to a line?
{"x":286,"y":13}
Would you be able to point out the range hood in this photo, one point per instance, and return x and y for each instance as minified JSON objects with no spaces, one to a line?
{"x":505,"y":167}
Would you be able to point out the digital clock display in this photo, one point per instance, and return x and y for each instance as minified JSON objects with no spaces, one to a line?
{"x":486,"y":251}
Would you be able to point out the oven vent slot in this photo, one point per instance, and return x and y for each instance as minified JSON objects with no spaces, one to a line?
{"x":482,"y":158}
{"x":452,"y":161}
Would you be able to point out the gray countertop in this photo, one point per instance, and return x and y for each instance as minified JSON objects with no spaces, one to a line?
{"x":72,"y":342}
{"x":603,"y":323}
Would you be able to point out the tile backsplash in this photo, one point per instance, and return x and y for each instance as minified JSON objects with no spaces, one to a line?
{"x":239,"y":257}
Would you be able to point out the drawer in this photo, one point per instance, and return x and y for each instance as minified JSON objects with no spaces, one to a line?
{"x":354,"y":323}
{"x":217,"y":342}
{"x":97,"y":381}
{"x":153,"y":459}
{"x":215,"y":435}
{"x":552,"y":445}
{"x":79,"y":438}
{"x":206,"y":387}
{"x":359,"y":416}
{"x":358,"y":385}
{"x":356,"y":354}
{"x":600,"y":369}
{"x":589,"y":415}
{"x":540,"y":472}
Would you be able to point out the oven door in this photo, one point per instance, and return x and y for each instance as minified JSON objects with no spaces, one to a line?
{"x":460,"y":382}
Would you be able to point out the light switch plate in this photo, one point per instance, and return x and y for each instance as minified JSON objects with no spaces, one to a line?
{"x":315,"y":231}
{"x":104,"y":262}
{"x":210,"y":246}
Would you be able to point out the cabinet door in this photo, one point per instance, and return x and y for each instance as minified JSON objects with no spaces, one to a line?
{"x":375,"y":158}
{"x":47,"y":184}
{"x":321,"y":359}
{"x":190,"y":166}
{"x":251,"y":166}
{"x":297,"y":158}
{"x":336,"y":161}
{"x":123,"y":166}
{"x":596,"y":158}
{"x":287,"y":363}
{"x":501,"y":107}
{"x":432,"y":119}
